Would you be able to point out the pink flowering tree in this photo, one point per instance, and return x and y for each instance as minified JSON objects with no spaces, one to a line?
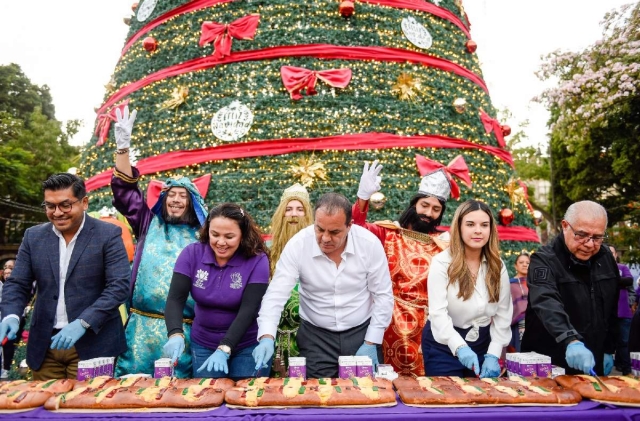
{"x":595,"y":118}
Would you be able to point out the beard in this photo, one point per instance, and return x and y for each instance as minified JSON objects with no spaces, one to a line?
{"x":173,"y":220}
{"x":287,"y":230}
{"x":422,"y":223}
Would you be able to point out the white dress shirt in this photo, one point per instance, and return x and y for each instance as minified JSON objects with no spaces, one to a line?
{"x":446,"y":310}
{"x":332,"y":297}
{"x":66,"y":250}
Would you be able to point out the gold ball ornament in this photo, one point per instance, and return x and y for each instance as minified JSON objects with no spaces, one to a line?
{"x":377,"y":200}
{"x":460,"y":105}
{"x":127,"y":21}
{"x":150,"y":44}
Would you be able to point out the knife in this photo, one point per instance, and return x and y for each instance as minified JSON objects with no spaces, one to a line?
{"x":593,"y":373}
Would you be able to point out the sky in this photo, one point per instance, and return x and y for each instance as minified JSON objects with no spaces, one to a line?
{"x":73,"y":46}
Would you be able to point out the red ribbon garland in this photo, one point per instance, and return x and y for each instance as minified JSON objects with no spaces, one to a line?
{"x":491,"y":124}
{"x":456,"y":167}
{"x":347,"y":142}
{"x":295,"y":79}
{"x":104,"y":123}
{"x":222,"y":35}
{"x":155,"y":187}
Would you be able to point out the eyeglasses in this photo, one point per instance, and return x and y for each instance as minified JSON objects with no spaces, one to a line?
{"x":64,"y":207}
{"x":583,"y":238}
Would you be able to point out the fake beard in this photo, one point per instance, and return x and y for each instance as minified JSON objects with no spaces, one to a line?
{"x":426,"y":225}
{"x":289,"y":229}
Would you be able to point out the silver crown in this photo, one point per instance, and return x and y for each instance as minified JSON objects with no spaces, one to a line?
{"x":436,"y":184}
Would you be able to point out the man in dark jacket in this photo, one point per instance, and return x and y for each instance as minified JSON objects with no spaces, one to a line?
{"x":573,"y":294}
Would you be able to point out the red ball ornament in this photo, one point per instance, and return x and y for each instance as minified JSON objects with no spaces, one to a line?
{"x":346,"y":8}
{"x":150,"y":44}
{"x":472,"y":46}
{"x":506,"y":216}
{"x":134,"y":6}
{"x":506,"y":130}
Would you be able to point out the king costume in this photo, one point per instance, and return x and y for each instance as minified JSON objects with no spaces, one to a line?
{"x":158,"y":247}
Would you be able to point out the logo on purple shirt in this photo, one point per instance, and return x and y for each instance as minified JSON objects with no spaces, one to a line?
{"x":202,"y":276}
{"x":236,"y":281}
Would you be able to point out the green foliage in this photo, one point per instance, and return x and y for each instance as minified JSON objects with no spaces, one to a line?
{"x":595,"y":119}
{"x":19,"y":97}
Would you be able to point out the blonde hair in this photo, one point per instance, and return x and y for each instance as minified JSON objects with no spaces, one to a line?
{"x":458,"y":270}
{"x":279,"y":228}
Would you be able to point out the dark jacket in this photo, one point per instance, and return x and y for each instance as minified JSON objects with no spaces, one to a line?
{"x":97,"y":283}
{"x":570,"y":300}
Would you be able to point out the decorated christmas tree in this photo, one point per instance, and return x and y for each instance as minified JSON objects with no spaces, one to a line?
{"x":263,"y":94}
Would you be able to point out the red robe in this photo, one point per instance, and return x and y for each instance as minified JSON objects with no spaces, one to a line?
{"x":409,"y":254}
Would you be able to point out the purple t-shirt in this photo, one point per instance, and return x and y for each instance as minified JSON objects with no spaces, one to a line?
{"x":218,"y":290}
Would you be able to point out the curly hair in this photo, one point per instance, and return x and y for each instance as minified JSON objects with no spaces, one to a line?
{"x":251,"y":243}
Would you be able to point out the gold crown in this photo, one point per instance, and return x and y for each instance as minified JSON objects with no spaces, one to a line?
{"x":297,"y":191}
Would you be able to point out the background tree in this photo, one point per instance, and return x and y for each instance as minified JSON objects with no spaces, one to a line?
{"x":33,"y":145}
{"x":595,"y":118}
{"x":391,"y":93}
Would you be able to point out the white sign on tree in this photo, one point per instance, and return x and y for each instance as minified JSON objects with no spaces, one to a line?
{"x":232,"y":122}
{"x":416,"y":33}
{"x":145,"y":10}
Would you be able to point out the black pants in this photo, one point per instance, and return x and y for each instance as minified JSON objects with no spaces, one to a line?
{"x":322,"y":347}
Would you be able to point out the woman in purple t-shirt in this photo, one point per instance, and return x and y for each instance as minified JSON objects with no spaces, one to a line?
{"x":227,"y":273}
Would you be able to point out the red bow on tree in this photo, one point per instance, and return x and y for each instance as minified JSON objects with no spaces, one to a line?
{"x":155,"y":188}
{"x":221,"y":35}
{"x":491,"y":124}
{"x":104,"y":123}
{"x":295,"y":79}
{"x":456,"y":167}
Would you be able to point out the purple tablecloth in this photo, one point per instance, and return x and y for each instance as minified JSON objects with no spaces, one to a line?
{"x":585,"y":411}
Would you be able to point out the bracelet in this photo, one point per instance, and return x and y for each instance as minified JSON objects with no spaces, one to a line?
{"x":177,"y":333}
{"x":122,"y":151}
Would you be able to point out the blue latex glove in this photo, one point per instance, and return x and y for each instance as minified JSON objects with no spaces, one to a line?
{"x":173,"y":348}
{"x":263,"y":352}
{"x":370,"y":351}
{"x":469,"y":359}
{"x":217,"y":361}
{"x":579,"y":358}
{"x":490,"y":366}
{"x":68,"y":336}
{"x":608,"y":364}
{"x":9,"y":328}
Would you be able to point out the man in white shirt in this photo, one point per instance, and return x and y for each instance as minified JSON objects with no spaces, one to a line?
{"x":345,"y":291}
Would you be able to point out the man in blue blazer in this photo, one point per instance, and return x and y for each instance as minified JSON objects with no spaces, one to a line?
{"x":81,"y":273}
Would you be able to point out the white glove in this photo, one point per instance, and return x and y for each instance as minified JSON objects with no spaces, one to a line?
{"x":124,"y":126}
{"x":370,"y":180}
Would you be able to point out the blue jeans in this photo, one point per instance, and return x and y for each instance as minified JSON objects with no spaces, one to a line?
{"x":241,"y":363}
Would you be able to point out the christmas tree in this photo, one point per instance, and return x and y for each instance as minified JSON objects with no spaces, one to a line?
{"x":262,"y":94}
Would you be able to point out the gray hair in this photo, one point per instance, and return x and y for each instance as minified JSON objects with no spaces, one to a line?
{"x":585,"y":209}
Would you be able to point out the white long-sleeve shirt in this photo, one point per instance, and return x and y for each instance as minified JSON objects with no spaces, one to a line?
{"x":332,"y":297}
{"x":446,"y":310}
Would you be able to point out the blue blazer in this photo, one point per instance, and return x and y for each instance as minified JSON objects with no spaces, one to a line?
{"x":97,"y":282}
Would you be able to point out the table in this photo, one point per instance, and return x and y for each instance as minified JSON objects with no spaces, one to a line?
{"x":584,"y":411}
